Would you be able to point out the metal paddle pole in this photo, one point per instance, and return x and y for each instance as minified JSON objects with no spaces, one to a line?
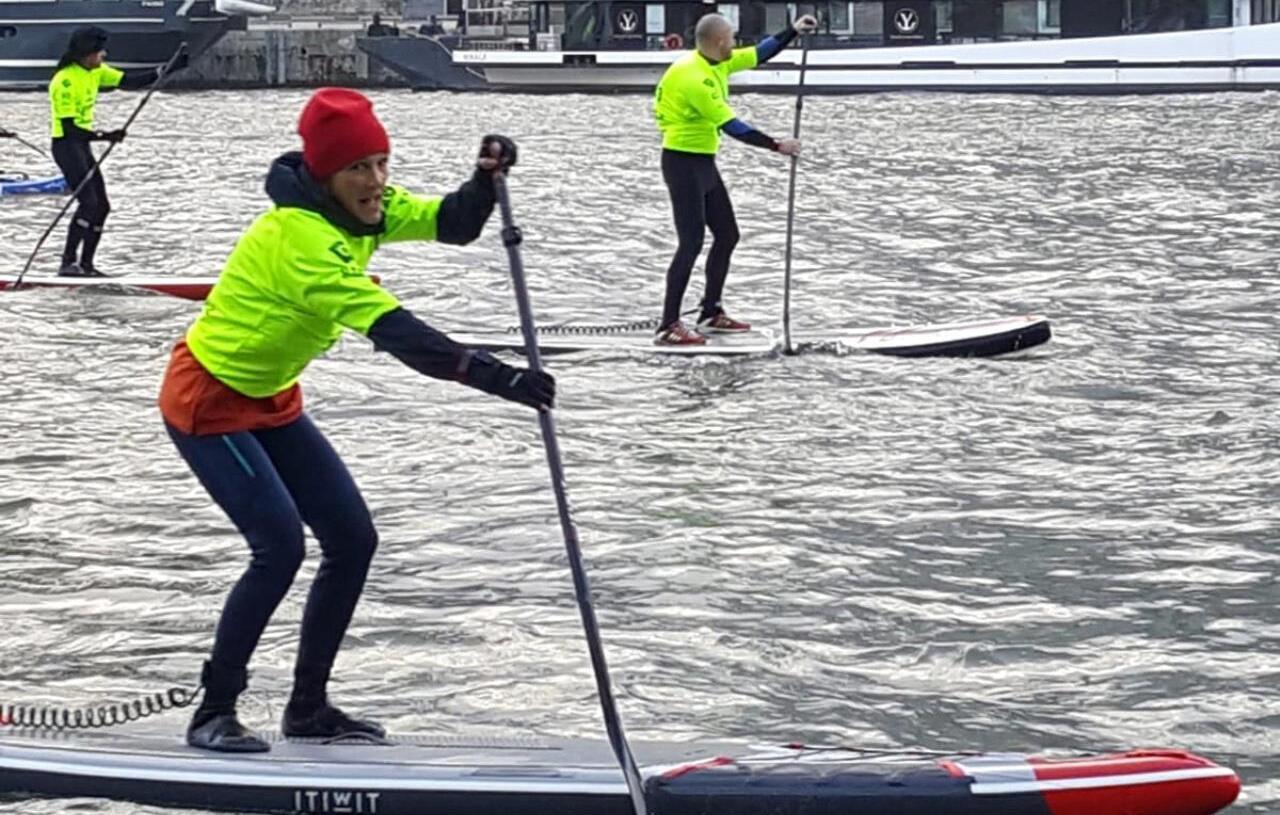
{"x":9,"y":134}
{"x":791,"y":211}
{"x":613,"y":723}
{"x":164,"y":73}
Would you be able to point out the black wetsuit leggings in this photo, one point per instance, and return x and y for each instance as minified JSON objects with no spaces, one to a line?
{"x":271,"y":482}
{"x":75,"y":158}
{"x":698,"y":201}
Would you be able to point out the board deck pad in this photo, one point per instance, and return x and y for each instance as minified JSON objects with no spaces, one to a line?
{"x":760,"y":341}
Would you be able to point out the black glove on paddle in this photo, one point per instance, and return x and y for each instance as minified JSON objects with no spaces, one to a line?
{"x":114,"y":136}
{"x":537,"y":389}
{"x":507,"y":156}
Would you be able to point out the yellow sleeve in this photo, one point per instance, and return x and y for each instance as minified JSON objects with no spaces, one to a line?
{"x":408,"y":217}
{"x":743,"y":59}
{"x":109,"y":77}
{"x":704,"y":96}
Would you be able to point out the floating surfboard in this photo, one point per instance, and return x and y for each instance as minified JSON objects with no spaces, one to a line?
{"x":459,"y":775}
{"x":981,"y":338}
{"x":21,"y":184}
{"x":189,"y":288}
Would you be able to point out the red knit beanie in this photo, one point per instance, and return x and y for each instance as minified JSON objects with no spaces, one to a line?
{"x":338,"y":127}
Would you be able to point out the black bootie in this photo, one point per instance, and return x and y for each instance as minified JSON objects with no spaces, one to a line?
{"x":314,"y":718}
{"x":214,"y":725}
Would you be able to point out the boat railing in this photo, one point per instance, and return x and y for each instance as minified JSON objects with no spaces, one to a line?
{"x":502,"y":44}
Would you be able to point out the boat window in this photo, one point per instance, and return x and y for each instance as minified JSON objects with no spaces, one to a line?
{"x":7,"y":31}
{"x":868,"y":20}
{"x":1219,"y":13}
{"x":580,"y":25}
{"x":942,"y":14}
{"x":1050,"y":16}
{"x":1150,"y":16}
{"x":776,"y":17}
{"x":655,"y":19}
{"x":729,"y":11}
{"x":1021,"y":17}
{"x":838,"y":19}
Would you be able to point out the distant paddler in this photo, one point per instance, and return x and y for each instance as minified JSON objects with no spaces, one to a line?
{"x":691,"y":106}
{"x":73,"y":93}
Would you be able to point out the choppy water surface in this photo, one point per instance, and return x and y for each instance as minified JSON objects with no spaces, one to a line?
{"x":1077,"y":548}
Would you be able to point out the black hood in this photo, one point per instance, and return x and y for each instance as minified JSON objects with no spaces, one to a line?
{"x":290,"y":185}
{"x":84,"y":41}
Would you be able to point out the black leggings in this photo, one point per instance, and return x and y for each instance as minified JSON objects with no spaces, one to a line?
{"x":75,"y":159}
{"x":698,"y":201}
{"x":271,"y":482}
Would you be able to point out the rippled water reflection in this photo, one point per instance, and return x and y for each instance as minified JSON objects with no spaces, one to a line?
{"x":1075,"y":548}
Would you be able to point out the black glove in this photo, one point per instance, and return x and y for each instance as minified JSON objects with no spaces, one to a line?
{"x":114,"y":136}
{"x":537,"y":389}
{"x":5,"y":134}
{"x":507,"y":156}
{"x":181,"y":62}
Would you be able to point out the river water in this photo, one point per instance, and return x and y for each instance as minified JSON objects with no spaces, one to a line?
{"x":1073,"y":549}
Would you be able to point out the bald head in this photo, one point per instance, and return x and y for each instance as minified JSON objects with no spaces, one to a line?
{"x":714,"y":37}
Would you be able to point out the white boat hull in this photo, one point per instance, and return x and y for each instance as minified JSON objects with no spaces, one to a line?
{"x":1243,"y":58}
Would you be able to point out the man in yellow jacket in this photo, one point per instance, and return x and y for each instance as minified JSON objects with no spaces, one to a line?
{"x":691,"y":106}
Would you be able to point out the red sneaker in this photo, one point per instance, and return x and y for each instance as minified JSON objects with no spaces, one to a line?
{"x":722,"y":324}
{"x":678,"y":334}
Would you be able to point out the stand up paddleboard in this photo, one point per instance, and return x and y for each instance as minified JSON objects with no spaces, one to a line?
{"x":979,"y":338}
{"x":969,"y":339}
{"x":188,"y":288}
{"x":458,"y":775}
{"x":22,"y":184}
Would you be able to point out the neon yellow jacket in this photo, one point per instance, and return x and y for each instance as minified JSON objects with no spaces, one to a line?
{"x":692,"y":100}
{"x":295,"y":280}
{"x":73,"y":92}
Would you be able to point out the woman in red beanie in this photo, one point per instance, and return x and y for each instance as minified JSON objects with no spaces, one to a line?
{"x":232,"y":404}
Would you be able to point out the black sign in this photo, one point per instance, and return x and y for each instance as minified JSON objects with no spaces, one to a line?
{"x":909,"y":22}
{"x":628,"y":21}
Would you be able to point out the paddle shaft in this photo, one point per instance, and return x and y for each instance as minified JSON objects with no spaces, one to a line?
{"x":21,"y":140}
{"x":791,"y":209}
{"x":582,"y":588}
{"x":93,"y":169}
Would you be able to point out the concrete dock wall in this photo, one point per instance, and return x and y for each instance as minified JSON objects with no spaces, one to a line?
{"x":294,"y":50}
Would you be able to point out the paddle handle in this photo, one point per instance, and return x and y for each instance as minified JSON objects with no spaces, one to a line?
{"x":511,"y":238}
{"x":93,"y":169}
{"x":787,"y":347}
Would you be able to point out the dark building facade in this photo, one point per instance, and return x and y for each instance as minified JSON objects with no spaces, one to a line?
{"x":594,"y":24}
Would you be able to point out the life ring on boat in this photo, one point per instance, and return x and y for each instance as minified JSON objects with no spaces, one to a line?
{"x":673,"y":42}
